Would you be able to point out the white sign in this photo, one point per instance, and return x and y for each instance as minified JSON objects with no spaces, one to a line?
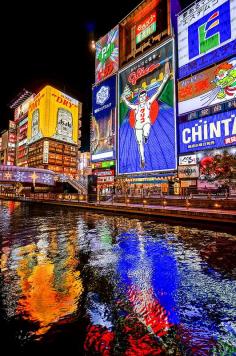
{"x":23,"y":142}
{"x":102,"y":95}
{"x":188,"y":171}
{"x":45,"y":151}
{"x":187,"y":160}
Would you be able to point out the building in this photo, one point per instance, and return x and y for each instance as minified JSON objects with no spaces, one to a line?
{"x":21,"y":106}
{"x":84,"y":164}
{"x":53,"y":131}
{"x":139,"y":55}
{"x":8,"y":145}
{"x":207,"y":96}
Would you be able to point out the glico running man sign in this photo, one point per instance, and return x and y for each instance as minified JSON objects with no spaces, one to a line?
{"x":211,"y":132}
{"x":146,"y":114}
{"x":206,"y":34}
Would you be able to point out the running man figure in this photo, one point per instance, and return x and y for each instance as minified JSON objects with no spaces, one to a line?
{"x":142,"y":116}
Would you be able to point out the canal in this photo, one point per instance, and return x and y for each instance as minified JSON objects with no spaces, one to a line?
{"x":95,"y":284}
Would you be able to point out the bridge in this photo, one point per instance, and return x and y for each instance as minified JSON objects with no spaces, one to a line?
{"x":36,"y":176}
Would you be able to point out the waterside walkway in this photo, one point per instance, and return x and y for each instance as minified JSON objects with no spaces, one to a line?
{"x":187,"y":212}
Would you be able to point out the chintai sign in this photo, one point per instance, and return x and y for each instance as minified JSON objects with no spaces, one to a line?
{"x":211,"y":132}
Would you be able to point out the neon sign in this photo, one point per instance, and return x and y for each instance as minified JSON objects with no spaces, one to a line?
{"x":211,"y":132}
{"x":210,"y":87}
{"x":141,"y":72}
{"x":107,"y":55}
{"x":146,"y":27}
{"x":206,"y":34}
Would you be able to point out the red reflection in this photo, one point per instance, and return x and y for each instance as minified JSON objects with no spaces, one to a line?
{"x":99,"y":339}
{"x":142,"y":329}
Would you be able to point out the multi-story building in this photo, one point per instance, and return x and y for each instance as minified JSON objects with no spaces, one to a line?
{"x":53,"y":131}
{"x":21,"y":120}
{"x":207,"y":96}
{"x":8,"y":145}
{"x":84,"y":164}
{"x":20,"y":104}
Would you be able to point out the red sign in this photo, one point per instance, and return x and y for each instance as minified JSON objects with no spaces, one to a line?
{"x":230,"y":140}
{"x":105,"y":172}
{"x":141,"y":72}
{"x":12,"y":138}
{"x":106,"y":71}
{"x":142,"y":26}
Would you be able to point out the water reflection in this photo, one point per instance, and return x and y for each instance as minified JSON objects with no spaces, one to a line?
{"x":50,"y":288}
{"x":116,"y":285}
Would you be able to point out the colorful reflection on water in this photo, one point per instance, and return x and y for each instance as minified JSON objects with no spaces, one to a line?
{"x":112,"y":285}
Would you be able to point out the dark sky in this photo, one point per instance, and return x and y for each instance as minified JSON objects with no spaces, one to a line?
{"x":47,"y":42}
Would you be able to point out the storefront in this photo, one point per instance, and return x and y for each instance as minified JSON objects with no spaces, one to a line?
{"x":207,"y":171}
{"x":105,"y":181}
{"x":161,"y":184}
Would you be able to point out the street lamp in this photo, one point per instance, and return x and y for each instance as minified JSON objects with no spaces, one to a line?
{"x":93,"y":45}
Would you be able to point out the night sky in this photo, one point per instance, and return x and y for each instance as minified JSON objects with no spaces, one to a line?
{"x":48,"y":43}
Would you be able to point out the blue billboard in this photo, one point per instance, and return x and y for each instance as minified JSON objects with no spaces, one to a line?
{"x":146,"y":114}
{"x":102,"y":140}
{"x":210,"y":132}
{"x":206,"y":35}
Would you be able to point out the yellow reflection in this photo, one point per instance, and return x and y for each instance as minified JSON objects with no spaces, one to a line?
{"x":50,"y":289}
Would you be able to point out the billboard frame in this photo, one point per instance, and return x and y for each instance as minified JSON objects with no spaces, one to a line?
{"x":169,"y":40}
{"x":114,"y":150}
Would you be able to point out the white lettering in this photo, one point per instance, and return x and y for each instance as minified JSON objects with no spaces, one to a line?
{"x":197,"y":132}
{"x":215,"y":129}
{"x":186,"y":139}
{"x":234,"y":125}
{"x":226,"y":122}
{"x":205,"y":131}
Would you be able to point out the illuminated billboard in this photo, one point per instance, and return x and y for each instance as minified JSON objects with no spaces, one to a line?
{"x":210,"y":132}
{"x":206,"y":34}
{"x":209,"y":87}
{"x":103,"y":121}
{"x":107,"y":55}
{"x":146,"y":114}
{"x":147,"y":25}
{"x":22,"y":109}
{"x":53,"y":114}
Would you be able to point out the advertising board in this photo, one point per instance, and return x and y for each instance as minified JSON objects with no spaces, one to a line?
{"x":146,"y":113}
{"x":210,"y":132}
{"x":102,"y":144}
{"x":53,"y":114}
{"x":206,"y":34}
{"x":107,"y":55}
{"x":210,"y":87}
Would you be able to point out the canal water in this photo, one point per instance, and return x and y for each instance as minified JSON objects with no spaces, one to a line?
{"x":96,"y":284}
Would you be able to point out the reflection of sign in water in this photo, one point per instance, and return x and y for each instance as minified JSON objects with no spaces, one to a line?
{"x":64,"y":126}
{"x":206,"y":34}
{"x":211,"y":132}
